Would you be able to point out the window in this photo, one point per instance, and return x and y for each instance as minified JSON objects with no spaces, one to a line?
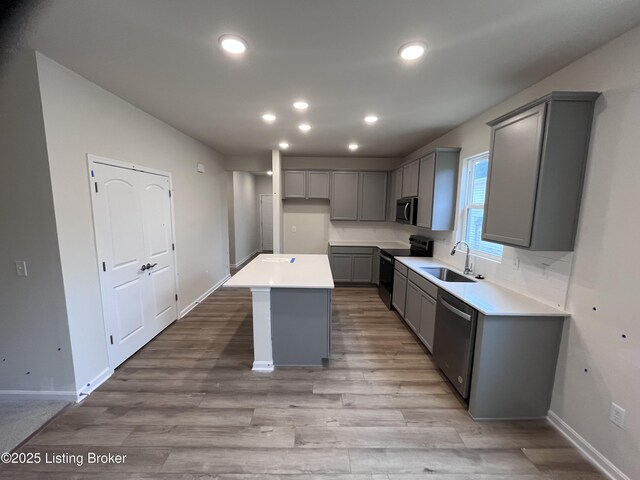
{"x":477,"y":169}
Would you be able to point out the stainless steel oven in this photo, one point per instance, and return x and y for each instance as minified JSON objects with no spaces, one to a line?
{"x":385,"y":290}
{"x":407,"y":211}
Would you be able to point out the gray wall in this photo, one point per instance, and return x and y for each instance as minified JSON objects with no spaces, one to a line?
{"x":35,"y":350}
{"x":82,"y":118}
{"x":245,"y":217}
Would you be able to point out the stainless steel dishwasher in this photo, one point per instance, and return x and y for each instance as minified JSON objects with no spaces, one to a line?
{"x":454,"y":340}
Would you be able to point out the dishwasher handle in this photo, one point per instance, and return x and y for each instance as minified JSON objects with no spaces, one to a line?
{"x":453,"y":309}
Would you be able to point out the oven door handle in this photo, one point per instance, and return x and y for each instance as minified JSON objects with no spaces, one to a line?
{"x":388,"y":259}
{"x":453,"y":309}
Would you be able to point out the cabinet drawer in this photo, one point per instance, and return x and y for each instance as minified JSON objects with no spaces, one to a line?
{"x":401,"y":268}
{"x":424,"y":284}
{"x":353,"y":250}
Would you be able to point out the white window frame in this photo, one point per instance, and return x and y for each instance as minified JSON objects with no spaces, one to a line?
{"x":469,"y":165}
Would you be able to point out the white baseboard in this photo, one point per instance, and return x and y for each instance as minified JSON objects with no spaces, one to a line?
{"x":263,"y":367}
{"x":594,"y":456}
{"x":38,"y":395}
{"x":93,"y":384}
{"x":198,"y":300}
{"x":244,"y":260}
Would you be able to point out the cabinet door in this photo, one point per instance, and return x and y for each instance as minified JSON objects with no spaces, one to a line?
{"x":344,"y":196}
{"x":318,"y":185}
{"x":412,"y":307}
{"x":362,"y":268}
{"x":399,"y":292}
{"x":512,"y":181}
{"x":373,"y":196}
{"x":410,"y":179}
{"x":425,"y":190}
{"x":427,"y":320}
{"x":341,"y":265}
{"x":295,"y":183}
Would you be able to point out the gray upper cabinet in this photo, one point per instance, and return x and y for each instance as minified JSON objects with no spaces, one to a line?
{"x":295,"y":184}
{"x":359,"y":196}
{"x":438,"y":189}
{"x":373,"y":196}
{"x":410,"y":179}
{"x":536,"y":171}
{"x":344,"y":196}
{"x":318,"y":185}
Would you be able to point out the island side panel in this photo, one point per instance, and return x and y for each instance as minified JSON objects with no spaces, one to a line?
{"x":301,"y":325}
{"x":514,"y":367}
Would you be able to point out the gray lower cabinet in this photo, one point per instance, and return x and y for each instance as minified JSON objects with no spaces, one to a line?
{"x":536,"y":169}
{"x":352,"y":264}
{"x":438,"y":189}
{"x":300,"y":325}
{"x":420,"y":310}
{"x":410,"y":179}
{"x":399,"y":292}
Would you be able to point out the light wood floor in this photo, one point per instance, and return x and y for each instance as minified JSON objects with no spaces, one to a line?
{"x":188,"y":406}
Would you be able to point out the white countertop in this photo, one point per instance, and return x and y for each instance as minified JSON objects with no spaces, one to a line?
{"x":278,"y":271}
{"x":366,"y":243}
{"x":486,"y":297}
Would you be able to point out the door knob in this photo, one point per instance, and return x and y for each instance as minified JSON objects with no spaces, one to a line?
{"x":148,"y":266}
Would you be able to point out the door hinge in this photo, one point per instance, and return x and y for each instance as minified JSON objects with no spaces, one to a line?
{"x":173,"y":246}
{"x":176,"y":297}
{"x":96,"y":184}
{"x":104,"y":267}
{"x":111,"y":338}
{"x":169,"y":193}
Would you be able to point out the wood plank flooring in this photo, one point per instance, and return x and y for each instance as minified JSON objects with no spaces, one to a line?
{"x":188,"y":406}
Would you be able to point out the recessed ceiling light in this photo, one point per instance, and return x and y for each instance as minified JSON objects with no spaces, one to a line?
{"x":269,"y":172}
{"x":269,"y":117}
{"x":232,"y":44}
{"x":353,"y":147}
{"x":371,"y":119}
{"x":412,"y":51}
{"x":300,"y":105}
{"x":304,"y":127}
{"x":283,"y":145}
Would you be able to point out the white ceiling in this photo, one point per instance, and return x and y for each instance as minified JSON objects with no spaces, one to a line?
{"x":340,"y":55}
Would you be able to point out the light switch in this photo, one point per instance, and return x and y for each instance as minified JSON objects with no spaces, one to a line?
{"x":21,"y":268}
{"x":294,"y":229}
{"x":201,"y":168}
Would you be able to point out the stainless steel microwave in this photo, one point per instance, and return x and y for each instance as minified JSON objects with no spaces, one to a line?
{"x":407,"y":211}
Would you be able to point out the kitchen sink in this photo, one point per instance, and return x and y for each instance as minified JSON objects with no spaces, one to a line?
{"x":445,"y":274}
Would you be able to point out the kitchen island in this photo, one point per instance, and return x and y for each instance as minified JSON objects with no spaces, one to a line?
{"x":291,"y":308}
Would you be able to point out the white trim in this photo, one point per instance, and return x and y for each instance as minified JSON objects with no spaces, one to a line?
{"x":262,"y":367}
{"x":95,"y":383}
{"x":198,"y":300}
{"x":593,"y":455}
{"x":244,"y":260}
{"x":38,"y":395}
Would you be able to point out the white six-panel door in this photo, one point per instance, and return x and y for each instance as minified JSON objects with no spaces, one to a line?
{"x":133,"y":225}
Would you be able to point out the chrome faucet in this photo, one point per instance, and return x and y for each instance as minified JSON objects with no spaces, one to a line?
{"x":468,"y":269}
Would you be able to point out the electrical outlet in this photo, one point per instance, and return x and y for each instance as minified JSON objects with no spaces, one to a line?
{"x":616,"y":414}
{"x":21,"y":268}
{"x":545,"y":270}
{"x":294,"y":229}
